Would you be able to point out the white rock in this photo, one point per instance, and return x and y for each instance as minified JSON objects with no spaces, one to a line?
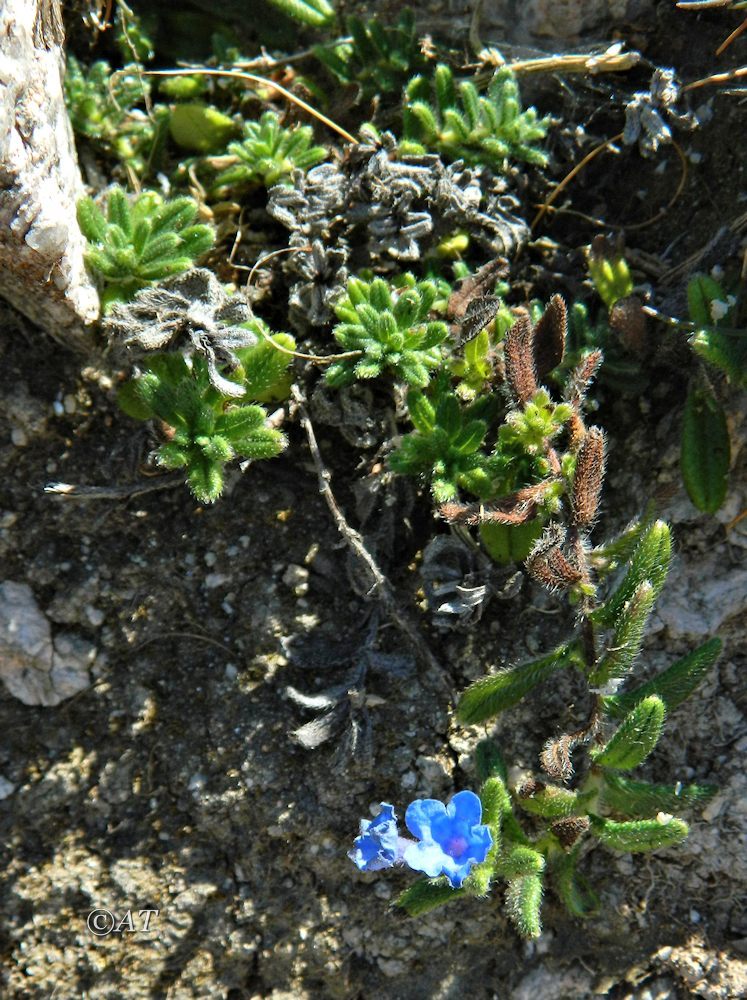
{"x":6,"y":787}
{"x":33,"y":668}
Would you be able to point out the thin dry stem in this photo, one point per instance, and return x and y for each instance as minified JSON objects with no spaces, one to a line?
{"x":264,"y":82}
{"x":381,"y":588}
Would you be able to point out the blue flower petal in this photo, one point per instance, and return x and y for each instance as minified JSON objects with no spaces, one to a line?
{"x":425,"y":857}
{"x":378,"y":844}
{"x":459,"y":874}
{"x":466,"y":806}
{"x":421,"y":814}
{"x":452,"y":839}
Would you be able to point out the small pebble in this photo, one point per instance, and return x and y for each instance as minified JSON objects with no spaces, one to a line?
{"x":297,"y":579}
{"x":19,"y":437}
{"x":95,"y":616}
{"x":197,"y":782}
{"x":6,"y":787}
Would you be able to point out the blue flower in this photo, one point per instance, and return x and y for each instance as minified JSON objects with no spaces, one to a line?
{"x":378,"y":844}
{"x":450,"y":838}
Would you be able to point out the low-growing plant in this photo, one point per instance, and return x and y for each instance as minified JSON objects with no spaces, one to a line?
{"x":532,"y":835}
{"x":268,"y":154}
{"x":137,"y":241}
{"x":447,"y":444}
{"x":487,"y":131}
{"x":392,"y":330}
{"x":705,"y":449}
{"x":495,"y":398}
{"x":379,"y":58}
{"x":108,"y":108}
{"x":459,"y":446}
{"x":203,"y":428}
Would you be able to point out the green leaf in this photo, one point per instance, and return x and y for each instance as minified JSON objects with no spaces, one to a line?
{"x":523,"y":903}
{"x":640,"y":835}
{"x":159,"y":249}
{"x":706,"y":451}
{"x":637,"y":736}
{"x":701,"y":291}
{"x":649,"y":561}
{"x":489,"y":762}
{"x":240,"y":421}
{"x":643,"y":799}
{"x":611,"y":276}
{"x":133,"y":401}
{"x":266,"y":375}
{"x":627,"y":638}
{"x":91,"y":221}
{"x":205,"y":479}
{"x":496,"y":801}
{"x":672,"y":685}
{"x":471,"y":102}
{"x":444,"y":86}
{"x":200,"y":128}
{"x":552,"y":802}
{"x":263,"y":443}
{"x":448,"y":415}
{"x":171,"y":216}
{"x":118,"y":211}
{"x":491,"y":695}
{"x":315,"y":13}
{"x":572,"y":888}
{"x":724,"y":349}
{"x":163,"y":268}
{"x":507,"y":543}
{"x":421,"y":411}
{"x":196,"y":241}
{"x":427,"y":894}
{"x":216,"y":448}
{"x":520,"y":861}
{"x":173,"y":455}
{"x":469,"y":439}
{"x":608,"y":557}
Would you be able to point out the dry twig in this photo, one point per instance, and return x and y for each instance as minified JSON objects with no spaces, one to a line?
{"x":381,"y":588}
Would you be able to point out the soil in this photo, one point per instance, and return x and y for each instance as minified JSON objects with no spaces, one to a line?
{"x":171,"y":783}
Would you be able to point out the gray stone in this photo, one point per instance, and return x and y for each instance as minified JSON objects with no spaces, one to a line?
{"x":33,"y":668}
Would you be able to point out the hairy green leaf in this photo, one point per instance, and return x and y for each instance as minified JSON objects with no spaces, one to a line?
{"x":489,"y":762}
{"x":636,"y":737}
{"x":627,"y":638}
{"x":648,"y":562}
{"x":706,"y":451}
{"x":672,"y":685}
{"x":643,"y":799}
{"x":428,"y":894}
{"x":640,"y":835}
{"x":572,"y":888}
{"x":491,"y":695}
{"x":523,"y":904}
